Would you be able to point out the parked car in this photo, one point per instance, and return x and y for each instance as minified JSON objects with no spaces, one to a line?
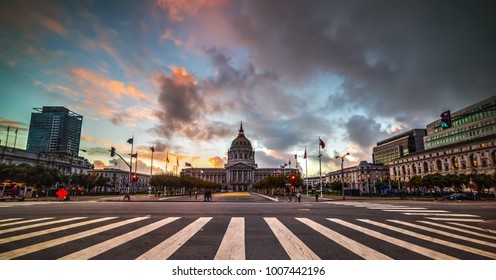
{"x":456,"y":196}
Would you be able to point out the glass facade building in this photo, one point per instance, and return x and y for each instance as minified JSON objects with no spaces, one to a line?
{"x":54,"y":129}
{"x":473,"y":122}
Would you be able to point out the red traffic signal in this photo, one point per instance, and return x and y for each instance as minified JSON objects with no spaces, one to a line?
{"x":134,"y":177}
{"x":292,"y":177}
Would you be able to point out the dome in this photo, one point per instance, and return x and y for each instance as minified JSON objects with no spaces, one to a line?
{"x":241,"y":142}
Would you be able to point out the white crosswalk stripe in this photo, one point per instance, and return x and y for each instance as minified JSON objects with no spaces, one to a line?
{"x":165,"y":249}
{"x":357,"y":248}
{"x":295,"y":248}
{"x":288,"y":233}
{"x":407,"y":245}
{"x":233,"y":243}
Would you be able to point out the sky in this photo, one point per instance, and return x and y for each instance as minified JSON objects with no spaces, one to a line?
{"x":181,"y":76}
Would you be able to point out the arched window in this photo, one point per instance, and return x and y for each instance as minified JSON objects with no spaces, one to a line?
{"x":439,"y":165}
{"x":426,"y":167}
{"x":473,"y":160}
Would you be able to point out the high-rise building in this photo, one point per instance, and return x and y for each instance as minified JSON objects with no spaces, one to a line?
{"x":54,"y":129}
{"x":399,"y":146}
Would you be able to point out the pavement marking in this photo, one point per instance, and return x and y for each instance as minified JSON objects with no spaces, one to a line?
{"x":361,"y":250}
{"x":232,"y":246}
{"x":9,"y":220}
{"x":40,"y":224}
{"x":100,"y":248}
{"x":473,"y":240}
{"x":446,"y":215}
{"x":165,"y":249}
{"x":473,"y":227}
{"x":59,"y":241}
{"x":455,"y":219}
{"x":460,"y":230}
{"x":26,"y":221}
{"x":416,"y":210}
{"x":51,"y":230}
{"x":432,"y":239}
{"x":395,"y":241}
{"x":293,"y":246}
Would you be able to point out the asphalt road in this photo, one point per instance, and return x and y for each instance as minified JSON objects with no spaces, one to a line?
{"x":246,"y":226}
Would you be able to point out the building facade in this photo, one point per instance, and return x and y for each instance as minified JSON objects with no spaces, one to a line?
{"x":118,"y":180}
{"x":62,"y":162}
{"x":468,"y":146}
{"x":54,"y":129}
{"x":240,"y":172}
{"x":398,"y":146}
{"x":362,"y":177}
{"x":473,"y":122}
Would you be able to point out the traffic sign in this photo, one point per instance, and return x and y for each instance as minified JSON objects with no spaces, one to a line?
{"x":62,"y":193}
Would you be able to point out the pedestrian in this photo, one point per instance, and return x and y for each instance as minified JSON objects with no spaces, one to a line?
{"x":299,"y":196}
{"x":126,"y":194}
{"x":316,"y":197}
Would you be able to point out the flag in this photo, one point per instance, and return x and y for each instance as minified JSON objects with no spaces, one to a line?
{"x":16,"y":130}
{"x":177,"y":159}
{"x":130,"y":140}
{"x":135,"y":155}
{"x":322,"y":144}
{"x":168,"y":158}
{"x":305,"y":155}
{"x":187,"y":164}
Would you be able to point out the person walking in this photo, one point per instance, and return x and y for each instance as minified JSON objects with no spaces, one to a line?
{"x":126,"y":194}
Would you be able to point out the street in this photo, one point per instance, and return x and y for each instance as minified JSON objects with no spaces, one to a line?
{"x":247,"y":226}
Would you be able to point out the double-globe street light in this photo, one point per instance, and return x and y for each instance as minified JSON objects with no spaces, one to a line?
{"x":342,"y":172}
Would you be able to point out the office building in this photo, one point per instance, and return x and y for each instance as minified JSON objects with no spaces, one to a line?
{"x":54,"y":129}
{"x":398,"y":146}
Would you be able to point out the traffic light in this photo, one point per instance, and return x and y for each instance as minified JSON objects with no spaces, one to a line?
{"x":112,"y":151}
{"x":446,"y":119}
{"x":292,"y":178}
{"x":134,"y":177}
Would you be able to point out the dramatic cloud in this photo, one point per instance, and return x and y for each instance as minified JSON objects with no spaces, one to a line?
{"x":183,"y":108}
{"x":400,"y":58}
{"x":364,"y":131}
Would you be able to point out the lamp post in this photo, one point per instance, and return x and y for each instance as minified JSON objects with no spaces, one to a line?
{"x":151,"y":173}
{"x":342,"y":171}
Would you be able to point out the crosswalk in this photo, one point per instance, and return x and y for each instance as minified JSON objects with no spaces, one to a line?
{"x":240,"y":238}
{"x":433,"y":214}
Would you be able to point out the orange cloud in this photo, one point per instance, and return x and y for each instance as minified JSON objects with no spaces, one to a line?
{"x":177,"y":8}
{"x":216,"y":162}
{"x":181,"y":77}
{"x":115,"y":88}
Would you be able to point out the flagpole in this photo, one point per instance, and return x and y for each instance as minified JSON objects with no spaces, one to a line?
{"x":320,"y":169}
{"x":7,"y":141}
{"x":306,"y":169}
{"x":131,"y":161}
{"x":166,"y":161}
{"x":15,"y":139}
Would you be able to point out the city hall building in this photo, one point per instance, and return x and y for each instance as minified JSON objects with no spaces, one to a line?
{"x":241,"y":171}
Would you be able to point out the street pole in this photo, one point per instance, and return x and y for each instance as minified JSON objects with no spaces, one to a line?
{"x":151,"y":173}
{"x":320,"y":170}
{"x":342,"y":173}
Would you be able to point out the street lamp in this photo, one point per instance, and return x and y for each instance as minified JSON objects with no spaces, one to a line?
{"x":151,"y":173}
{"x":342,"y":171}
